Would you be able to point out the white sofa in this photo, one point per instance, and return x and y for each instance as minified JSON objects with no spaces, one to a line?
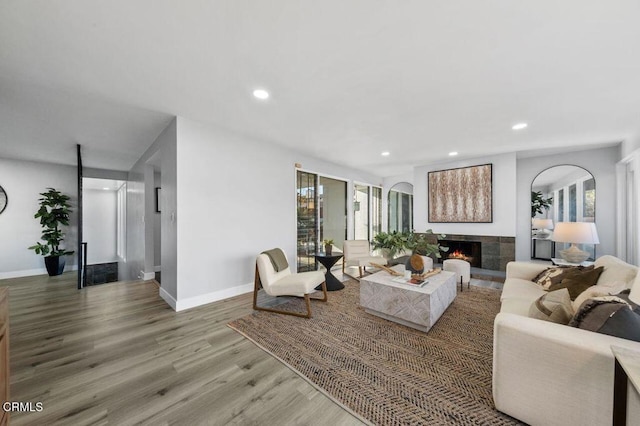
{"x":551,"y":374}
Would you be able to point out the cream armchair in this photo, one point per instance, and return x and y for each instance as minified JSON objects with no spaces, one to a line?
{"x":358,"y":253}
{"x":284,"y":283}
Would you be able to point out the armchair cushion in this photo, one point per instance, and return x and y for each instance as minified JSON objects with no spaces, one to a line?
{"x":358,"y":253}
{"x":297,"y":284}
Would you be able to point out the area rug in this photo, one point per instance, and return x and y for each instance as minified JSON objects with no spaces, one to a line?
{"x":386,"y":373}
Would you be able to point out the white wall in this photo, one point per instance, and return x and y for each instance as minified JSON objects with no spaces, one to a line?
{"x":23,"y":181}
{"x":99,"y":225}
{"x":157,"y":224}
{"x":504,"y":190}
{"x":601,"y":164}
{"x":236,"y":198}
{"x":141,"y":214}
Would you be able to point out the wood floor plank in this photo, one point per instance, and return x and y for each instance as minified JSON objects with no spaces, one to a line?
{"x":117,"y":354}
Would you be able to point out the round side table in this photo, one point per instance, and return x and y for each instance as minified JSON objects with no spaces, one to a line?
{"x":328,"y":261}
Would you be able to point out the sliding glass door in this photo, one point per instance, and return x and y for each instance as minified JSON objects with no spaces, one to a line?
{"x":367,"y":211}
{"x":307,"y":216}
{"x":321,"y":207}
{"x":361,"y":212}
{"x":333,"y":210}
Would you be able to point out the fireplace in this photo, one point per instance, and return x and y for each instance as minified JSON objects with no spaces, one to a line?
{"x":471,"y":251}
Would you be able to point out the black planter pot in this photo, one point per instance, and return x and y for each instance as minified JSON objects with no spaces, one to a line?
{"x":54,"y":264}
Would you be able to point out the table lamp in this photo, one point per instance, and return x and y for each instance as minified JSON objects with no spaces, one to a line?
{"x":543,"y":226}
{"x":575,"y":233}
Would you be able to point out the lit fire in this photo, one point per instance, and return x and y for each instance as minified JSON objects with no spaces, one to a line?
{"x":458,"y":254}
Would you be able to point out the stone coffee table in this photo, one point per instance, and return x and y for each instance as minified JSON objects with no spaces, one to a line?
{"x":408,"y":304}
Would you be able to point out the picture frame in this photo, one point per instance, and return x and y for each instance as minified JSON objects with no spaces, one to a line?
{"x":158,"y":195}
{"x":461,"y":195}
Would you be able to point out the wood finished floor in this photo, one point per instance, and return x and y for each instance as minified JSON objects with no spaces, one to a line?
{"x":117,"y":354}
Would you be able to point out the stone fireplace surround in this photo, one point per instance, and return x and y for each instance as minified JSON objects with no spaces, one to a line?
{"x":496,"y":251}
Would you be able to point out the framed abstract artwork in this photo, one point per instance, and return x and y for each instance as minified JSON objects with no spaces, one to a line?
{"x":462,"y":195}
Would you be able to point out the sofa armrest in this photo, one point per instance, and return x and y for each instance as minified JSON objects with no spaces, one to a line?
{"x":552,"y":374}
{"x":525,"y":270}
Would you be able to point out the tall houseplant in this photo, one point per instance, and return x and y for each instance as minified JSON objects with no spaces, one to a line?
{"x":53,"y":213}
{"x":539,"y":204}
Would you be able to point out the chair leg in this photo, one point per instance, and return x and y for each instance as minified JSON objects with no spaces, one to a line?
{"x":256,"y":287}
{"x":360,"y":270}
{"x":324,"y":291}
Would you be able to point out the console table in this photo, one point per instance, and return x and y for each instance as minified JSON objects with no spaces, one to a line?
{"x":627,"y":369}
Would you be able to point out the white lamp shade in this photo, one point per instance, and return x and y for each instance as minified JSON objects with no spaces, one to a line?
{"x":576,"y":233}
{"x":542,"y":224}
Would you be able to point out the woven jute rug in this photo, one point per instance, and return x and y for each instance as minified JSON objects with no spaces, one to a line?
{"x":386,"y":373}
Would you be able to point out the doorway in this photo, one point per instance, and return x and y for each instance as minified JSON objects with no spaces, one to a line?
{"x":102,"y":228}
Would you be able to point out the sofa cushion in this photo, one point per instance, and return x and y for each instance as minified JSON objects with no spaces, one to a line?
{"x":579,"y":281}
{"x":598,"y":290}
{"x":615,"y":270}
{"x":517,"y":288}
{"x":554,"y":306}
{"x":555,"y":275}
{"x":610,"y":315}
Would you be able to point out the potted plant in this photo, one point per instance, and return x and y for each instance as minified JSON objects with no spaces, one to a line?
{"x":426,"y":244}
{"x":539,"y":204}
{"x":328,"y":245}
{"x":54,"y":211}
{"x":390,"y":244}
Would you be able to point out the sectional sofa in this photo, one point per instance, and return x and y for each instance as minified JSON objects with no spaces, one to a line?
{"x":552,"y":374}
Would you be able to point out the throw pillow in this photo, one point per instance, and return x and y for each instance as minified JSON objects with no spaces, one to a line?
{"x":554,"y":306}
{"x":590,"y":293}
{"x":578,"y":281}
{"x":610,"y":315}
{"x":555,"y":275}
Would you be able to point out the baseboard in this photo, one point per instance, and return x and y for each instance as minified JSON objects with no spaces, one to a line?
{"x":168,"y":298}
{"x":192,"y":302}
{"x":31,"y":272}
{"x":147,"y":275}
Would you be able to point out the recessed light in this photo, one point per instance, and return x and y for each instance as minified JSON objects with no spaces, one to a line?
{"x":385,"y":154}
{"x":106,"y":189}
{"x":261,"y":94}
{"x":453,"y":153}
{"x":519,"y":126}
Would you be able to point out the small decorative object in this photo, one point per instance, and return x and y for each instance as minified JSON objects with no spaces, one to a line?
{"x":415,"y":264}
{"x":328,"y":246}
{"x":575,"y":233}
{"x":54,"y":211}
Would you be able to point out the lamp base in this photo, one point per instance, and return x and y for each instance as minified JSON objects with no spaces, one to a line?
{"x":574,"y":255}
{"x":542,"y":233}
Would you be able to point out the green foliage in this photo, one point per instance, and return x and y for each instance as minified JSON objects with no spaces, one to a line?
{"x":327,"y":241}
{"x":426,"y":244}
{"x":394,"y":242}
{"x":54,"y":211}
{"x":539,"y":204}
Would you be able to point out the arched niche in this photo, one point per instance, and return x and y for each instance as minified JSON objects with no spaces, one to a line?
{"x":563,"y":193}
{"x":400,"y":203}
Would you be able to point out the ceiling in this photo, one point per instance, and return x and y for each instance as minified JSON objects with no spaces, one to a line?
{"x":348,"y":79}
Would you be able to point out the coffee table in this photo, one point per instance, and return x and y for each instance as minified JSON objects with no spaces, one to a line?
{"x":415,"y":306}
